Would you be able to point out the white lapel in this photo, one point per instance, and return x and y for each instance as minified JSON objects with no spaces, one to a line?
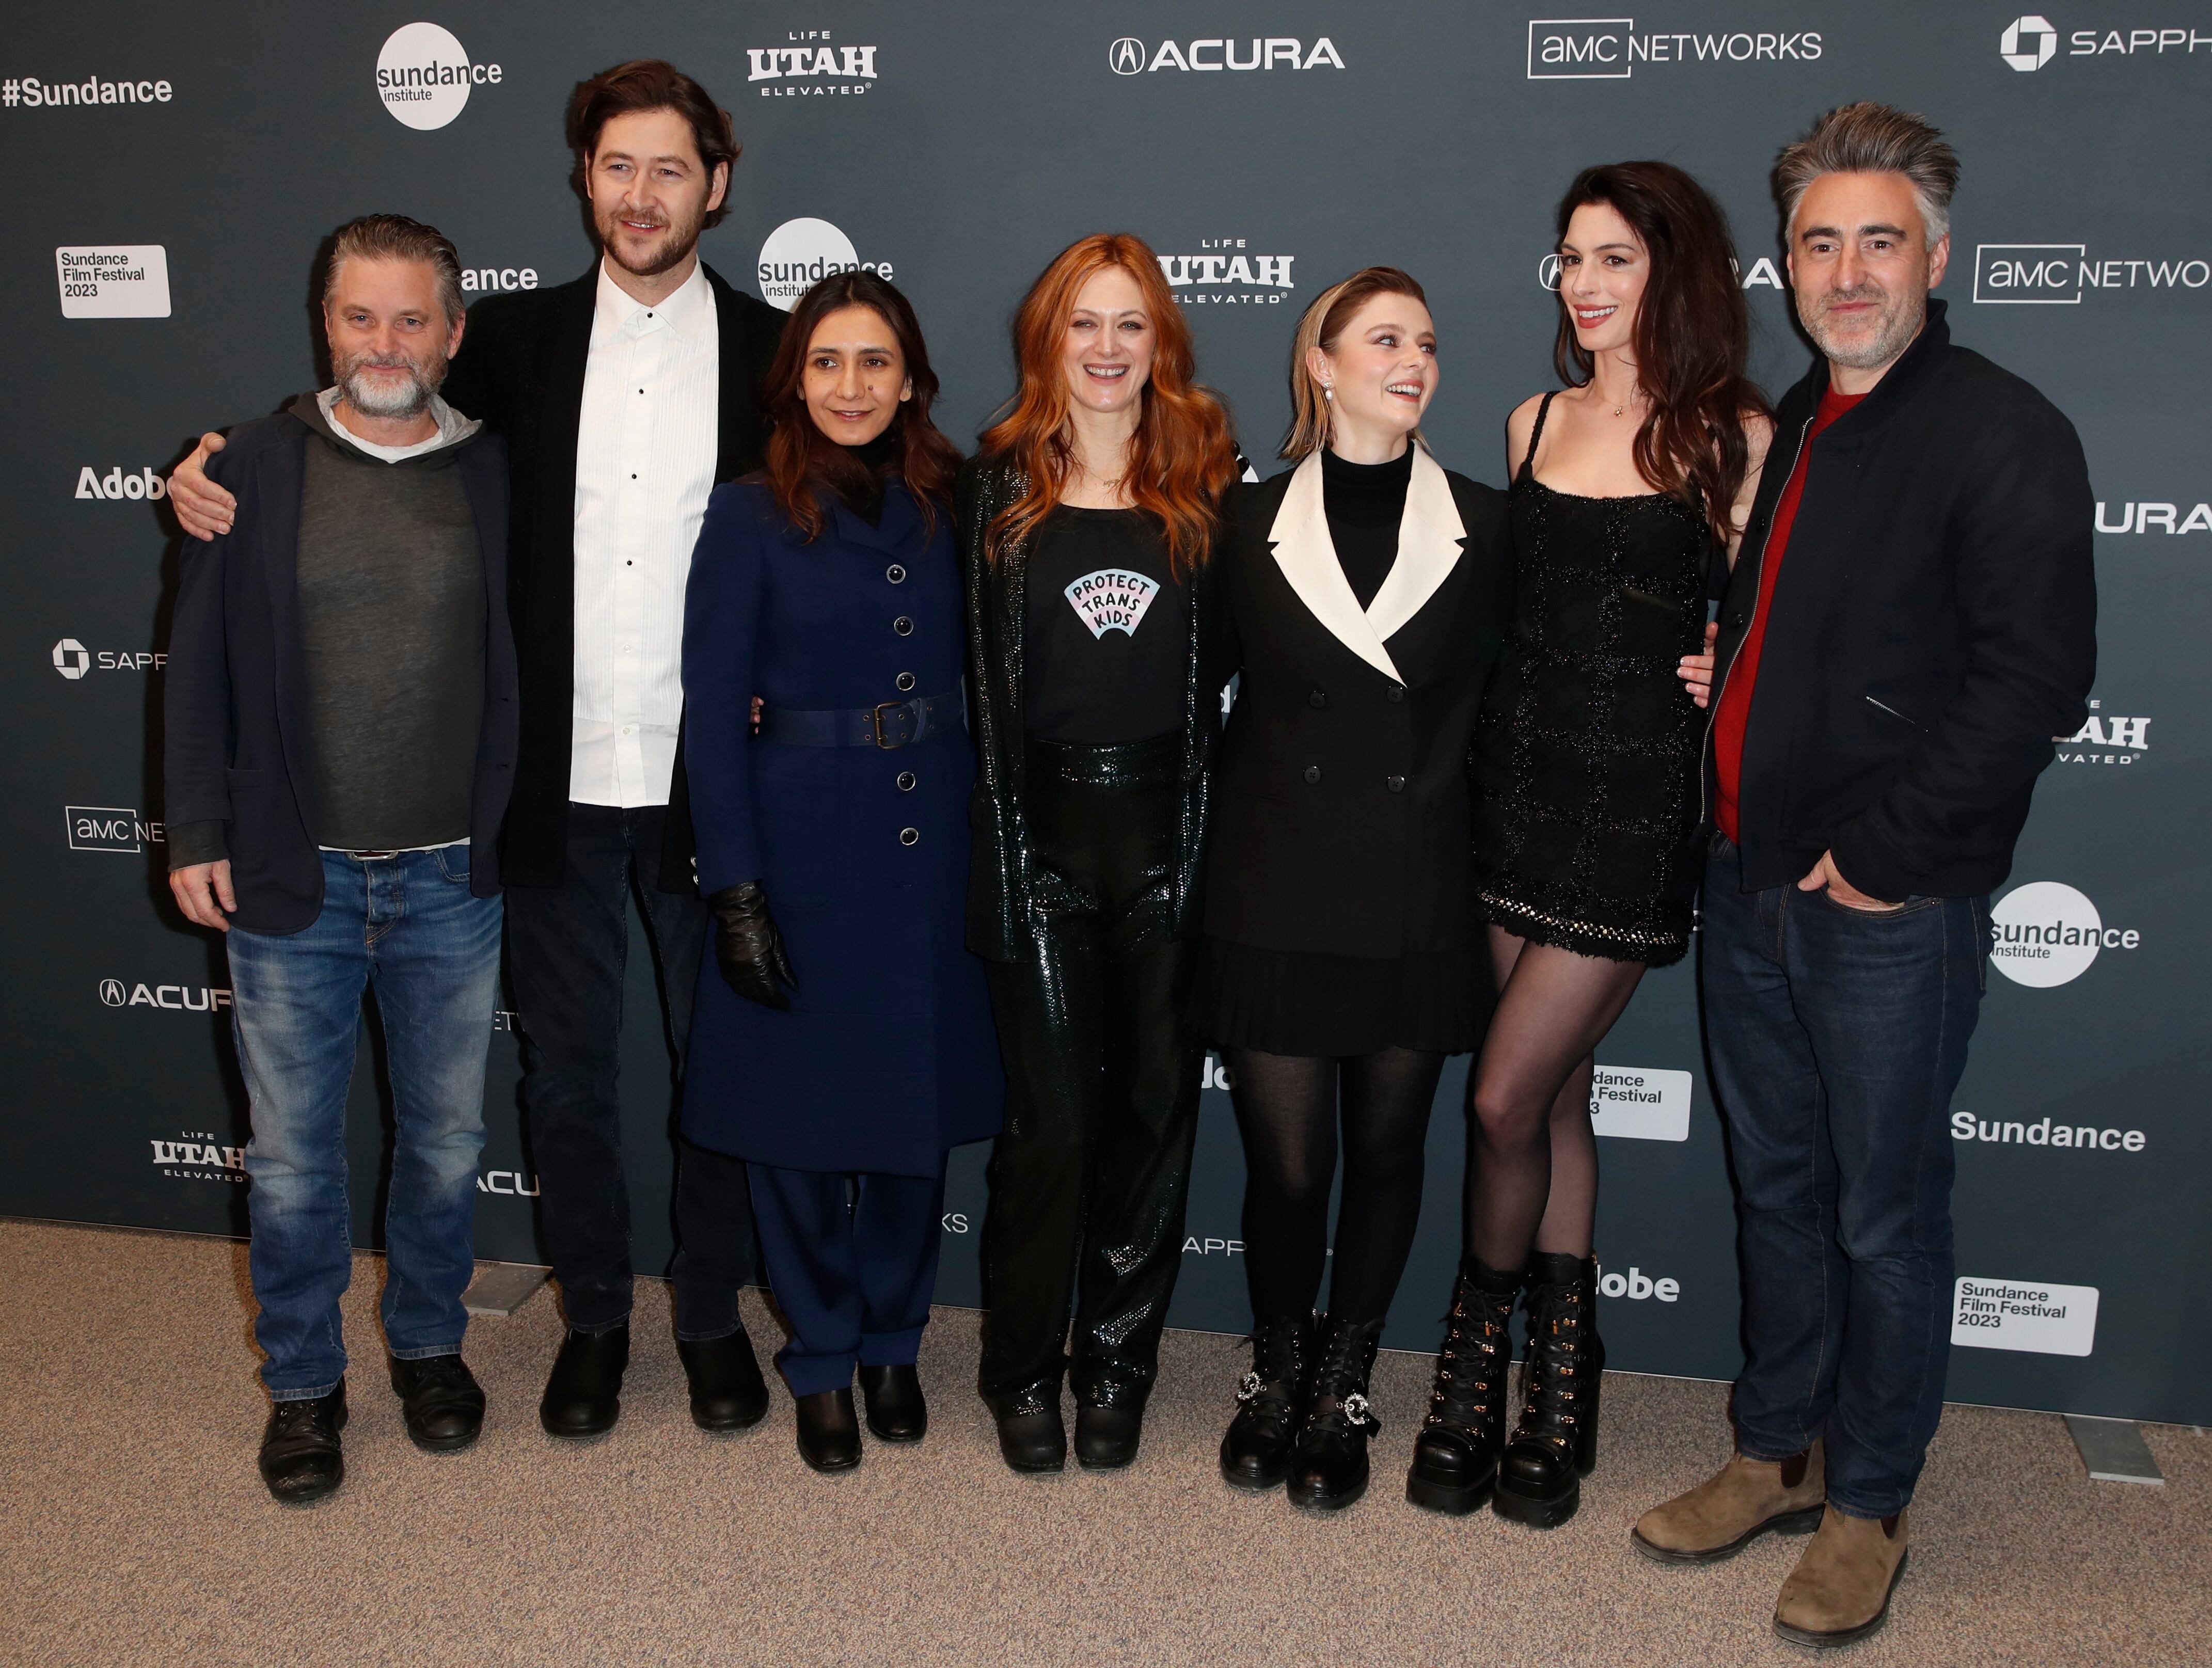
{"x":1307,"y":556}
{"x":1430,"y":538}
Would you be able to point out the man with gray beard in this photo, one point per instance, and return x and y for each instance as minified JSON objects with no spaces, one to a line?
{"x":341,"y":746}
{"x":1911,"y":619}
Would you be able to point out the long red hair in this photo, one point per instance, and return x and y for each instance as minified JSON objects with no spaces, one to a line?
{"x":1183,"y":456}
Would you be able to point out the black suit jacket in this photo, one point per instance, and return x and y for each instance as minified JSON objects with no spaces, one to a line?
{"x":1344,"y":812}
{"x":1933,"y":627}
{"x":521,"y":370}
{"x":237,"y":748}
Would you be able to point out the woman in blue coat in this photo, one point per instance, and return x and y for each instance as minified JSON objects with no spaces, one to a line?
{"x":842,"y":1043}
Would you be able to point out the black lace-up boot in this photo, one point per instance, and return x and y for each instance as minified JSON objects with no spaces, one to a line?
{"x":1329,"y":1467}
{"x":1456,"y":1455}
{"x":1257,"y":1452}
{"x":1554,"y":1446}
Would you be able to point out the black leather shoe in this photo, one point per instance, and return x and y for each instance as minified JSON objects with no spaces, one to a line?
{"x":583,"y":1396}
{"x":1255,"y":1452}
{"x":1032,"y":1436}
{"x":828,"y":1432}
{"x":897,"y":1411}
{"x":301,"y":1460}
{"x":727,"y":1390}
{"x":440,"y":1400}
{"x":1329,"y":1467}
{"x":1106,"y":1437}
{"x":1456,"y":1455}
{"x":1554,"y":1445}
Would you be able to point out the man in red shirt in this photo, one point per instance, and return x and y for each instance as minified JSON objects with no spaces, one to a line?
{"x":1911,"y":619}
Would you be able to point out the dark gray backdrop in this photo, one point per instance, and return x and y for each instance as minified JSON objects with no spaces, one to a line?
{"x":962,"y":146}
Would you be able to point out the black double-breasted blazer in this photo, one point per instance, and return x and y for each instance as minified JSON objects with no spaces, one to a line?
{"x":1343,"y":811}
{"x":520,"y":369}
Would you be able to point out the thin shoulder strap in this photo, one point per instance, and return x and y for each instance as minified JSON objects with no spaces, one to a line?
{"x":1529,"y":464}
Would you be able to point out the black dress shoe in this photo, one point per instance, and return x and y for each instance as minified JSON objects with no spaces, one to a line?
{"x":301,"y":1460}
{"x":1255,"y":1450}
{"x":1106,"y":1437}
{"x":1032,"y":1437}
{"x":440,"y":1400}
{"x":829,"y":1431}
{"x":1329,"y":1467}
{"x":897,"y":1411}
{"x":583,"y":1398}
{"x":727,"y":1390}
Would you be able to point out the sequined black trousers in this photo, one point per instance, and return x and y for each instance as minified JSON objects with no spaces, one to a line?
{"x":1091,"y":1179}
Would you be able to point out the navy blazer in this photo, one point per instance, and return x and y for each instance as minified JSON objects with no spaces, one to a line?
{"x":888,"y":1055}
{"x":238,"y":746}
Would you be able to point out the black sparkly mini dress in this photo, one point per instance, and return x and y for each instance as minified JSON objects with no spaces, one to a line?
{"x":1586,"y":757}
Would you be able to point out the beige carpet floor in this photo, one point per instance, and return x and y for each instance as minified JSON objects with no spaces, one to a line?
{"x":133,"y":1529}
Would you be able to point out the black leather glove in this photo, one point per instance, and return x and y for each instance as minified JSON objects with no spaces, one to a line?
{"x":749,"y":947}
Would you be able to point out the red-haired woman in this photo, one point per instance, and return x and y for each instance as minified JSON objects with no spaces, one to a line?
{"x":1087,"y":521}
{"x":1629,"y":483}
{"x":842,"y":1041}
{"x":1368,"y":589}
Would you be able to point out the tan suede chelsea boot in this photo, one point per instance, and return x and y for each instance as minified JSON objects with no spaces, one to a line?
{"x":1840,"y":1590}
{"x":1722,"y":1515}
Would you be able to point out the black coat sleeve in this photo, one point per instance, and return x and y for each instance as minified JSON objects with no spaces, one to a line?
{"x":2024,"y":584}
{"x":196,"y":686}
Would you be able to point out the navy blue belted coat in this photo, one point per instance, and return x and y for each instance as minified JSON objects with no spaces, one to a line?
{"x":887,"y":1056}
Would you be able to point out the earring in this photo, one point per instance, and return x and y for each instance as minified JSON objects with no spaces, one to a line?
{"x":1329,"y":390}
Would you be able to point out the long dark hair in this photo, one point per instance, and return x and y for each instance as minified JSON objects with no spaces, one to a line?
{"x":802,"y":460}
{"x":1693,"y":334}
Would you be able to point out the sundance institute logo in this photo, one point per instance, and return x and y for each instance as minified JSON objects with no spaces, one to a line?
{"x":423,"y":75}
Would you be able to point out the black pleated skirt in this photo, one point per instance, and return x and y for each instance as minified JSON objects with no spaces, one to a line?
{"x":1289,"y":1002}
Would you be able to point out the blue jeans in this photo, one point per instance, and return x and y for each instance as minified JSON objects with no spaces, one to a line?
{"x":1836,"y":1038}
{"x":408,"y":925}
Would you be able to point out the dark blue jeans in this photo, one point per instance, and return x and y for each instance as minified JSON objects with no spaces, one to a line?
{"x":408,"y":925}
{"x":568,"y":947}
{"x":1837,"y":1036}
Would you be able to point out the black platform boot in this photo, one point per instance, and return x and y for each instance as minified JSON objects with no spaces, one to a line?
{"x":1554,"y":1446}
{"x":1456,"y":1455}
{"x":1256,"y":1452}
{"x":1329,"y":1467}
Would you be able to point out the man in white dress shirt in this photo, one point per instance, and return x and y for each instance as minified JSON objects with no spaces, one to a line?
{"x":624,"y":397}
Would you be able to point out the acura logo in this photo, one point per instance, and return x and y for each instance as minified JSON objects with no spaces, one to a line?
{"x":1547,"y":272}
{"x":2028,"y":43}
{"x":1127,"y":56}
{"x":112,"y":993}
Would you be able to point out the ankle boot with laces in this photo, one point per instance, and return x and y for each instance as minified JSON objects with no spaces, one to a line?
{"x":1456,"y":1455}
{"x":1554,"y":1446}
{"x":1329,"y":1467}
{"x":1257,"y":1452}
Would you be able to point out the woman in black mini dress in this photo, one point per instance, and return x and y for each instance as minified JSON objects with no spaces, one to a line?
{"x":1627,"y":488}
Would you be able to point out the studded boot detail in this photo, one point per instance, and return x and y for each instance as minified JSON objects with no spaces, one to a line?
{"x":1271,"y":1397}
{"x":1554,"y":1445}
{"x":1456,"y":1455}
{"x":1329,"y":1467}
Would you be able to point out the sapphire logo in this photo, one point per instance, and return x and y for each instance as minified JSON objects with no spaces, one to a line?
{"x":71,"y":659}
{"x":2028,"y":43}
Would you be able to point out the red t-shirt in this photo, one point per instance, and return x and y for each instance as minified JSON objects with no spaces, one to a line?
{"x":1735,"y":711}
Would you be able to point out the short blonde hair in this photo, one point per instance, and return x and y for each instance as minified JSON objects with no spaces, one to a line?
{"x":1324,"y":323}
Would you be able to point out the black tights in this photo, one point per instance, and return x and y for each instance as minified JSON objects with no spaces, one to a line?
{"x":1287,"y":1105}
{"x":1532,"y":1160}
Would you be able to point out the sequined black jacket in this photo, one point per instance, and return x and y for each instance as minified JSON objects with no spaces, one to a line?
{"x":1001,"y":864}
